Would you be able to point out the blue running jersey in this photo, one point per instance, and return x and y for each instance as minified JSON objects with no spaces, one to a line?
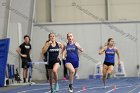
{"x":72,"y":53}
{"x":110,"y":55}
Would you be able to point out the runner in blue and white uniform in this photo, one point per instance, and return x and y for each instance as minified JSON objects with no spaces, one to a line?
{"x":72,"y":59}
{"x":109,"y":61}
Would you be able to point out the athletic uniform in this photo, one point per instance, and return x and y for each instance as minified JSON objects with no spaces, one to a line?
{"x":109,"y":56}
{"x":72,"y":55}
{"x":53,"y":53}
{"x":25,"y":50}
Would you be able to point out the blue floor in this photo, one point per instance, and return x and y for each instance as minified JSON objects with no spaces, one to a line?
{"x":123,"y":85}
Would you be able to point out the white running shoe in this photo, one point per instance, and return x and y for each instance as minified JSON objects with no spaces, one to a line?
{"x":70,"y":88}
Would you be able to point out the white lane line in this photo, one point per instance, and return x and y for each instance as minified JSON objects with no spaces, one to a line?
{"x":91,"y":88}
{"x":131,"y":91}
{"x":32,"y":90}
{"x":25,"y":91}
{"x":103,"y":87}
{"x":119,"y":88}
{"x":110,"y":91}
{"x":58,"y":91}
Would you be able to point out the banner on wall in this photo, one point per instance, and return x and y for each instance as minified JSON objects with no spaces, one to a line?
{"x":4,"y":48}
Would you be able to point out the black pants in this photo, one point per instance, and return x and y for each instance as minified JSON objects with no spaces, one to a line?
{"x":25,"y":63}
{"x":47,"y":73}
{"x":65,"y":69}
{"x":46,"y":67}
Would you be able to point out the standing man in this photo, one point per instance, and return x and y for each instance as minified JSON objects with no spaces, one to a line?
{"x":24,"y":51}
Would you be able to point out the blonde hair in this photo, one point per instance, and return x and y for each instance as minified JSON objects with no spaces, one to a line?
{"x":72,"y":35}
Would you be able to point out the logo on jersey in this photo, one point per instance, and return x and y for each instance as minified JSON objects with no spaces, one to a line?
{"x":53,"y":50}
{"x":70,"y":49}
{"x":109,"y":52}
{"x":27,"y":47}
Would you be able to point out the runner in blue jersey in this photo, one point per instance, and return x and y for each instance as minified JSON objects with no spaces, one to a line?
{"x":53,"y":48}
{"x":109,"y":61}
{"x":72,"y":59}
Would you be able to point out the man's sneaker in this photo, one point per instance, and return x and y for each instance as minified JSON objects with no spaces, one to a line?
{"x":24,"y":80}
{"x":70,"y":88}
{"x":56,"y":87}
{"x":29,"y":80}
